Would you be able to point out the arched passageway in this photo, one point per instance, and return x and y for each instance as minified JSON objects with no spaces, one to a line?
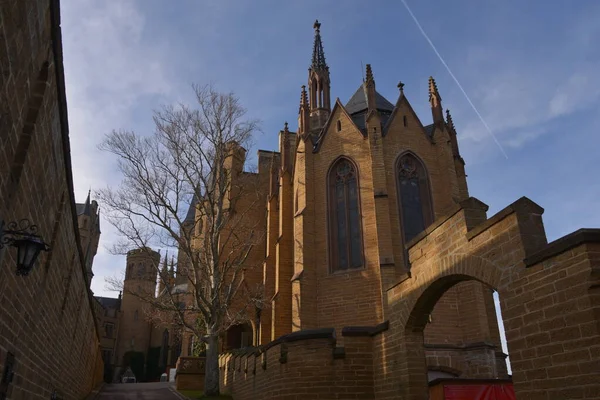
{"x":238,"y":336}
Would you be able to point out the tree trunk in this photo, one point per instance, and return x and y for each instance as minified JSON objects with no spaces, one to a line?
{"x":211,"y":379}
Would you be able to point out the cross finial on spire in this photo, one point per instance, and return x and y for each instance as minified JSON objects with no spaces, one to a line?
{"x":285,"y":127}
{"x":401,"y":87}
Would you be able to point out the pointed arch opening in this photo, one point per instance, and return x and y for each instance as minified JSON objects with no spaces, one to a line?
{"x":414,"y":195}
{"x":345,"y":228}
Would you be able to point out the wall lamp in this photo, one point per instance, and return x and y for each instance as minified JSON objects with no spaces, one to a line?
{"x":23,"y":235}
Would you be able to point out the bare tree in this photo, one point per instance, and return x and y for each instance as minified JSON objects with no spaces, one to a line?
{"x":195,"y":156}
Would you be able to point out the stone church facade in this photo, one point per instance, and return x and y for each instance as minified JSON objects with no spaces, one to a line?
{"x":381,"y":269}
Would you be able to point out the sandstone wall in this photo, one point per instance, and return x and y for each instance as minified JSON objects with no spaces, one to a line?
{"x":304,"y":365}
{"x":47,"y":323}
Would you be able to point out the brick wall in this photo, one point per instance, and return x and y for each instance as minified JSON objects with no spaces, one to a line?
{"x":548,"y":295}
{"x":46,"y":319}
{"x":302,"y":365}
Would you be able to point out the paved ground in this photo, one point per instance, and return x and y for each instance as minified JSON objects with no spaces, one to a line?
{"x":139,"y":391}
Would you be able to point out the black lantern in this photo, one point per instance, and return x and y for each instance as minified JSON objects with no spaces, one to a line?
{"x":23,"y":236}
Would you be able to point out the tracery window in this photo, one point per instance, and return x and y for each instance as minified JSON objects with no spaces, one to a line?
{"x":344,"y":217}
{"x":414,"y":196}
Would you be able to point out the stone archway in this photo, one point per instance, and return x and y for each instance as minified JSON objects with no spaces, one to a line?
{"x":417,"y":298}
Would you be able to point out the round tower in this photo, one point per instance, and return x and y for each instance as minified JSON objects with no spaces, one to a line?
{"x":139,"y":284}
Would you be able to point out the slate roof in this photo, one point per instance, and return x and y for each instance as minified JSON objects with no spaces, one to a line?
{"x":108,"y":302}
{"x":80,"y":207}
{"x":358,"y":102}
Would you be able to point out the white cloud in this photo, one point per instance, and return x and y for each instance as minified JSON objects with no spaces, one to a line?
{"x":108,"y":69}
{"x":581,"y":90}
{"x":519,"y":93}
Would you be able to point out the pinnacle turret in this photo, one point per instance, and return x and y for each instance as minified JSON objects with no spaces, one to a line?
{"x":319,"y":83}
{"x":436,"y":103}
{"x":449,"y":121}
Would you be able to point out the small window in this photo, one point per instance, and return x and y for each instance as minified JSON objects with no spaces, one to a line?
{"x":136,"y":315}
{"x":404,"y":120}
{"x":339,"y":125}
{"x":108,"y":330}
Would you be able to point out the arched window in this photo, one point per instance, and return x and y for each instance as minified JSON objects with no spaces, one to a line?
{"x":414,"y":196}
{"x":339,"y":125}
{"x":140,"y":271}
{"x":344,"y":217}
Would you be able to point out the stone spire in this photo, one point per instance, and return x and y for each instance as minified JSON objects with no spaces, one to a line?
{"x":163,"y":274}
{"x":436,"y":103}
{"x":318,"y":82}
{"x":87,"y":208}
{"x":172,"y":269}
{"x":285,"y":150}
{"x":318,"y":57}
{"x":304,"y":114}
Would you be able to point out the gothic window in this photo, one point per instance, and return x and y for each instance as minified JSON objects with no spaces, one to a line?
{"x":414,"y":196}
{"x":140,"y":271}
{"x":404,"y":120}
{"x":344,"y":217}
{"x":339,"y":125}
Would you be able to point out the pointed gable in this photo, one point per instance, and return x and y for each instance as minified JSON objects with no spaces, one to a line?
{"x":403,"y":102}
{"x":338,"y":106}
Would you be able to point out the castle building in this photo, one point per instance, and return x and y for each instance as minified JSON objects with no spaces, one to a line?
{"x":356,"y":183}
{"x":108,"y":314}
{"x":380,"y":269}
{"x":341,"y":199}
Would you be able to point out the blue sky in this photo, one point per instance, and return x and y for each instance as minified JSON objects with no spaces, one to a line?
{"x":528,"y":66}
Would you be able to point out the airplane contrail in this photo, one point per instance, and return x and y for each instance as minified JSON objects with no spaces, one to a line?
{"x":454,"y":77}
